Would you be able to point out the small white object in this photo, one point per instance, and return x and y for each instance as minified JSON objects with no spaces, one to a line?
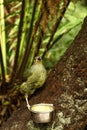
{"x":26,"y":97}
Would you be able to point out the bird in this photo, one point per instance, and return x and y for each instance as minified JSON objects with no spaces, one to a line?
{"x":36,"y":78}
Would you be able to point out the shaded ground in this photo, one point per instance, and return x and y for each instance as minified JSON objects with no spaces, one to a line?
{"x":66,"y":88}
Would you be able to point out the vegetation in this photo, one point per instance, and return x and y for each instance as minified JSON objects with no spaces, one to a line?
{"x":32,"y":28}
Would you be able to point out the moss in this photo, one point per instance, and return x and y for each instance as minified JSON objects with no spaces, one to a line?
{"x":34,"y":126}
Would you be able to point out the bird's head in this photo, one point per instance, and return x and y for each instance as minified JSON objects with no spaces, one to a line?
{"x":38,"y":59}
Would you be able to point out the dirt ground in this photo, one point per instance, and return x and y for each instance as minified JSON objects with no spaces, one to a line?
{"x":66,"y":88}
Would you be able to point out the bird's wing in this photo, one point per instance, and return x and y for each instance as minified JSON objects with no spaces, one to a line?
{"x":32,"y":84}
{"x":27,"y":73}
{"x":33,"y":81}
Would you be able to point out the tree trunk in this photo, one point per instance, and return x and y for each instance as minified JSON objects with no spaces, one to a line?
{"x":66,"y":88}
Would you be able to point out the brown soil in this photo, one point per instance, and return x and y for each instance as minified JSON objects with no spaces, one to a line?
{"x":66,"y":88}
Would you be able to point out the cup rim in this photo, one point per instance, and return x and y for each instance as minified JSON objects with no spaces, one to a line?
{"x":42,"y":104}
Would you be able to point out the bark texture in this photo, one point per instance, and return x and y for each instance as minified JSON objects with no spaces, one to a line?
{"x":66,"y":88}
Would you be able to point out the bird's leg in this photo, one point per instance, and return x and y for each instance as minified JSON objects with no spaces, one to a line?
{"x":26,"y":97}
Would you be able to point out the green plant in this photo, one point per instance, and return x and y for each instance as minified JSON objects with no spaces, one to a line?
{"x":29,"y":35}
{"x":30,"y":28}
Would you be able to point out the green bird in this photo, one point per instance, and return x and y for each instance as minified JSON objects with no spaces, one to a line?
{"x":36,"y":78}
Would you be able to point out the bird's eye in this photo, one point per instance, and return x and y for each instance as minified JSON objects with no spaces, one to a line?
{"x":38,"y":58}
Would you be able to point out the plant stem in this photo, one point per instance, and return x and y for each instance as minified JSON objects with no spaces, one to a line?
{"x":35,"y":37}
{"x":28,"y":45}
{"x":2,"y":66}
{"x":14,"y":72}
{"x":2,"y":35}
